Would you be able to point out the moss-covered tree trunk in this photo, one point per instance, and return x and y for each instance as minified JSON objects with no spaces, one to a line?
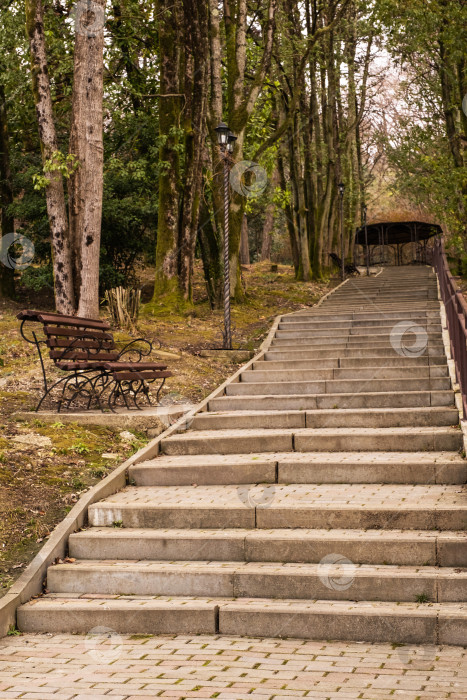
{"x":241,"y":98}
{"x":54,"y":192}
{"x":195,"y":24}
{"x":7,"y":279}
{"x":166,"y":280}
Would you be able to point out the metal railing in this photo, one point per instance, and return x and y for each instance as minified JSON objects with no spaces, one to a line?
{"x":456,"y":315}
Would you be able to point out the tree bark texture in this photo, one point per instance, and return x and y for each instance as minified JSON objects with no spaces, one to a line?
{"x":54,"y":192}
{"x":7,"y":279}
{"x":86,"y":143}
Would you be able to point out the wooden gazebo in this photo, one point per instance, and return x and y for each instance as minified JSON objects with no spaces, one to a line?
{"x":405,"y":242}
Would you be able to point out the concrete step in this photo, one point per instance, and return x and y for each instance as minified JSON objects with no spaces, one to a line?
{"x":301,"y":402}
{"x":342,"y":306}
{"x":403,"y":623}
{"x":365,"y":302}
{"x":309,"y":467}
{"x":313,"y":440}
{"x":368,"y":372}
{"x":343,"y":580}
{"x":361,"y":355}
{"x":364,"y":621}
{"x":337,"y":386}
{"x":320,"y":314}
{"x":360,"y":335}
{"x":125,"y":615}
{"x":355,"y":342}
{"x":378,"y":325}
{"x":205,"y":469}
{"x":360,"y":317}
{"x":336,"y":362}
{"x":354,"y":506}
{"x":334,"y":418}
{"x":396,"y":547}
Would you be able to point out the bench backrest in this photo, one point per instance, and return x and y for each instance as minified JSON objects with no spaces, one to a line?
{"x":73,"y":337}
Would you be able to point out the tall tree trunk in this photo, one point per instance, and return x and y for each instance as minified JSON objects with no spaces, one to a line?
{"x":241,"y":101}
{"x":86,"y":143}
{"x":244,"y":243}
{"x":211,"y":254}
{"x":268,"y":226}
{"x":291,"y":228}
{"x":196,"y":76}
{"x":7,"y":279}
{"x":166,"y":281}
{"x":55,"y":196}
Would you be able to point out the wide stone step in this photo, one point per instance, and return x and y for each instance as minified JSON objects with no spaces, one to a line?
{"x":403,"y":623}
{"x":361,"y":400}
{"x":377,"y":325}
{"x":354,"y":506}
{"x":401,"y":349}
{"x":125,"y":615}
{"x":334,"y":418}
{"x":337,"y":386}
{"x":313,"y":440}
{"x":361,"y":318}
{"x":429,"y":332}
{"x":335,"y":578}
{"x":363,"y":302}
{"x":368,"y":372}
{"x":360,"y":355}
{"x":308,"y":467}
{"x":365,"y":621}
{"x":399,"y":547}
{"x":355,"y":342}
{"x":345,"y":363}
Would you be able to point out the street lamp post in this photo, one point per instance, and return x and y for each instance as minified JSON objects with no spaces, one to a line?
{"x":226,"y":141}
{"x":366,"y":240}
{"x":341,"y":188}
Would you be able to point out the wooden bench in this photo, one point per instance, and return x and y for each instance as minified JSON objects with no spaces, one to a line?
{"x":349,"y":268}
{"x":97,"y":373}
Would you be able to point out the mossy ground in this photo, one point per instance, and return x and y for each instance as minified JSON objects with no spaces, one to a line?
{"x":41,"y":479}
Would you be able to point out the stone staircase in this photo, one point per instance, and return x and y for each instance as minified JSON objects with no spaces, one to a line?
{"x":321,"y":497}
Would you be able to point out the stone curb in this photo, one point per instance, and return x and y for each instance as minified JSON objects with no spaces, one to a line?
{"x":30,"y":583}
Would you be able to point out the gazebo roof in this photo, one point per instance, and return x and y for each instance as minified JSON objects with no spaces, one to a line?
{"x":397,"y":232}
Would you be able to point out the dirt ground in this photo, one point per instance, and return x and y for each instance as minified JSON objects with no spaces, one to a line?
{"x":44,"y":468}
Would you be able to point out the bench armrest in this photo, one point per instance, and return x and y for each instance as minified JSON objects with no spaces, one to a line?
{"x":134,"y":352}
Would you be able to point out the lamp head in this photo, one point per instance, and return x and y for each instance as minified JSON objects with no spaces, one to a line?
{"x":222,"y":132}
{"x":341,"y":188}
{"x":231,"y":142}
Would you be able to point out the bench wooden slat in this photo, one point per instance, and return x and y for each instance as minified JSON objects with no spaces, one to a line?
{"x":77,"y":355}
{"x":62,"y":319}
{"x":80,"y":343}
{"x":76,"y":333}
{"x":133,"y":365}
{"x":133,"y":376}
{"x":71,"y":365}
{"x":75,"y":321}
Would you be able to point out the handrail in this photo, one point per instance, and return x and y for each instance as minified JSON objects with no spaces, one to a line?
{"x":456,"y":316}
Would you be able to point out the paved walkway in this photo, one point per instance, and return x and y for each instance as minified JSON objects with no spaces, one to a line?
{"x":138,"y":667}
